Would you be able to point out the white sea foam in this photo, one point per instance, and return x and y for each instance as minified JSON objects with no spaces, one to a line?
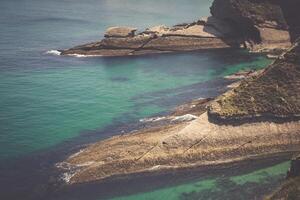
{"x":183,"y":118}
{"x":66,"y":177}
{"x":58,"y":53}
{"x":54,"y":52}
{"x":154,"y":119}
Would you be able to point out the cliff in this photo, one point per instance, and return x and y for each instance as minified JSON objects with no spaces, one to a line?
{"x":264,"y":24}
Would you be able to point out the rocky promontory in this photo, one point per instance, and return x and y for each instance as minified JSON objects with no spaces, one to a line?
{"x":121,"y":41}
{"x":261,"y":26}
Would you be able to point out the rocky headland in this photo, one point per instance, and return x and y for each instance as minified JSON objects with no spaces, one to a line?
{"x":260,"y":26}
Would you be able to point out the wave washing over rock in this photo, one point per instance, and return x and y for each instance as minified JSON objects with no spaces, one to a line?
{"x":54,"y":52}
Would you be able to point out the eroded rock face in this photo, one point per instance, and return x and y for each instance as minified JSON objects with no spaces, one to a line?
{"x":265,"y":24}
{"x":262,"y":23}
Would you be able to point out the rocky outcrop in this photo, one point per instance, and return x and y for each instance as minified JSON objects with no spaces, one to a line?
{"x":265,"y":24}
{"x":273,"y":94}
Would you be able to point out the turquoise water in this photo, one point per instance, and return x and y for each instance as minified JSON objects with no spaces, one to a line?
{"x":47,"y":102}
{"x":43,"y":107}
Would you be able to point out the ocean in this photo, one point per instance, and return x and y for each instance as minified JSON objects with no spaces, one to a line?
{"x":51,"y":106}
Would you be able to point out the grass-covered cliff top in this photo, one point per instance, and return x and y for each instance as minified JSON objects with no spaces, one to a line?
{"x":275,"y":92}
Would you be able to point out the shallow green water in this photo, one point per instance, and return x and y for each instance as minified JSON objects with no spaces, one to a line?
{"x":232,"y":187}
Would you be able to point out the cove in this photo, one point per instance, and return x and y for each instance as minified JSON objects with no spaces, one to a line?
{"x":43,"y":107}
